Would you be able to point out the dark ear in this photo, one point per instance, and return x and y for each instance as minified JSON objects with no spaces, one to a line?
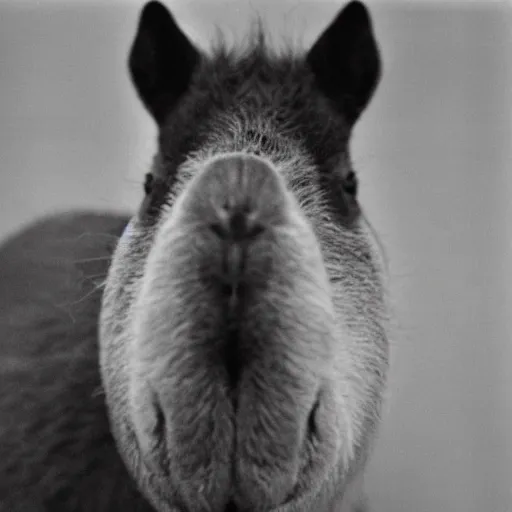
{"x":162,"y":60}
{"x":346,"y":62}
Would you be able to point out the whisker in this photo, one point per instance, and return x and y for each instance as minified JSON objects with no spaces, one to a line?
{"x":82,"y":299}
{"x":97,"y":258}
{"x":93,"y":235}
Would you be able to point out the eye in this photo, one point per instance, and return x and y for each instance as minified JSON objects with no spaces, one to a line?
{"x":148,"y":183}
{"x":350,"y":183}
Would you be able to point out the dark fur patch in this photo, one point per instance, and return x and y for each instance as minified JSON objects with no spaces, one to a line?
{"x":56,"y":449}
{"x":251,"y":83}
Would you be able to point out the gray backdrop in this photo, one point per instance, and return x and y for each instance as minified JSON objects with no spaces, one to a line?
{"x":433,"y":155}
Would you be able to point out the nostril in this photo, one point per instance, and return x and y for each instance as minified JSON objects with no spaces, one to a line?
{"x":151,"y":432}
{"x":160,"y":446}
{"x":239,"y":225}
{"x":312,"y":426}
{"x":159,"y":424}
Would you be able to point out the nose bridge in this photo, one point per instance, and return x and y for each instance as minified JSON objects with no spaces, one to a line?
{"x":242,"y":172}
{"x":239,"y":194}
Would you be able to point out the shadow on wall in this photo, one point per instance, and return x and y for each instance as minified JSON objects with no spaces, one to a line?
{"x":432,"y":152}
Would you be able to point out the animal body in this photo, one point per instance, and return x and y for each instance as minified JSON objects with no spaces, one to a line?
{"x":223,"y":349}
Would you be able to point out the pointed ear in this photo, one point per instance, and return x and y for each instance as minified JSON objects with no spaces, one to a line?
{"x":162,"y":60}
{"x":346,"y":62}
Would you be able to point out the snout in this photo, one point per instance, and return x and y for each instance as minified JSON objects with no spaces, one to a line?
{"x":233,"y":337}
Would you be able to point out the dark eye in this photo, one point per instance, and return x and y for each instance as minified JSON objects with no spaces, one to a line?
{"x":350,"y":183}
{"x":148,"y":183}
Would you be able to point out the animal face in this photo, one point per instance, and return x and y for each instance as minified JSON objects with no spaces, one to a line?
{"x":242,"y":339}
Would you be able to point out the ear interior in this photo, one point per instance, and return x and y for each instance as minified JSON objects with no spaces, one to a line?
{"x":346,"y":62}
{"x":162,"y":60}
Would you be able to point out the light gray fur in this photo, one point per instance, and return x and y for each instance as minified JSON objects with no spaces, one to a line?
{"x":314,"y":331}
{"x":349,"y":373}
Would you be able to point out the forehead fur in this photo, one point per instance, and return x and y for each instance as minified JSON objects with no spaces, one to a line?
{"x":264,"y":92}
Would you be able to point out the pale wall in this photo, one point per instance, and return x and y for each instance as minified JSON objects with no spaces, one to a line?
{"x":433,"y":154}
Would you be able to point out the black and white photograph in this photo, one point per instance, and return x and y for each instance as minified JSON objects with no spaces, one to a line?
{"x":255,"y":256}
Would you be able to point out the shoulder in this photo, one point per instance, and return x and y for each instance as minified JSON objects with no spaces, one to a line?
{"x":54,"y":431}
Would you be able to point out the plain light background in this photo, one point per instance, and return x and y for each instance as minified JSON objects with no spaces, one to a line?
{"x":433,"y":155}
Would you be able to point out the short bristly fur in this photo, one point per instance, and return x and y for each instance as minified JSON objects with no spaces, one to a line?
{"x":243,"y":343}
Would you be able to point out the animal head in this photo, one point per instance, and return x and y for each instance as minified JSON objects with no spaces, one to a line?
{"x":242,"y":341}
